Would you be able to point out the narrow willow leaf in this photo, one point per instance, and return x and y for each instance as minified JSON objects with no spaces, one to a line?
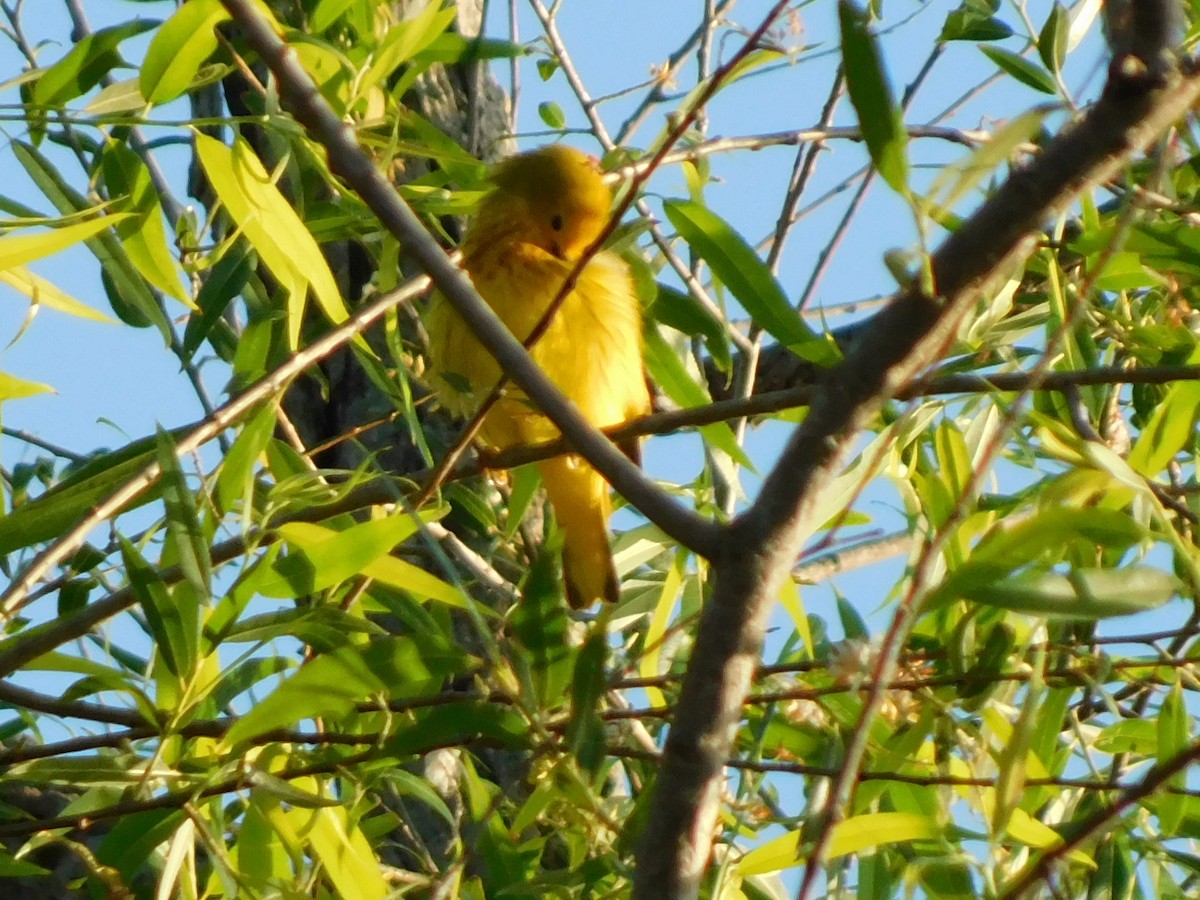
{"x":404,"y":41}
{"x":1170,"y":429}
{"x":322,"y":557}
{"x":1022,"y":69}
{"x":14,"y":388}
{"x":131,"y":299}
{"x":67,"y":502}
{"x":175,"y":638}
{"x":1082,"y":595}
{"x":740,"y":269}
{"x":589,"y":682}
{"x":413,"y":580}
{"x":41,"y":291}
{"x":683,"y":312}
{"x":669,"y":373}
{"x":225,"y":281}
{"x":119,"y":97}
{"x":956,"y":180}
{"x":852,"y":835}
{"x":879,"y":117}
{"x":345,"y":854}
{"x":1174,"y":736}
{"x":1009,"y":546}
{"x":235,"y":482}
{"x":649,"y":666}
{"x":333,"y":683}
{"x":86,"y":64}
{"x":272,"y":227}
{"x":792,"y":601}
{"x":1129,"y":736}
{"x":326,"y":13}
{"x":187,"y":544}
{"x":1052,"y":42}
{"x":143,"y":234}
{"x":179,"y":49}
{"x":18,"y":249}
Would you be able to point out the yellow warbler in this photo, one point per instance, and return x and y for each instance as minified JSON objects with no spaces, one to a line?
{"x":546,"y":208}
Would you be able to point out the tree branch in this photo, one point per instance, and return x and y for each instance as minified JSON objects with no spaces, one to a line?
{"x":901,"y":340}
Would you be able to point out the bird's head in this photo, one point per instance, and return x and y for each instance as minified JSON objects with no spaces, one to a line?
{"x":555,"y":196}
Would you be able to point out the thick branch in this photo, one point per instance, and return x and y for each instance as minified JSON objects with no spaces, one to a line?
{"x":900,"y":342}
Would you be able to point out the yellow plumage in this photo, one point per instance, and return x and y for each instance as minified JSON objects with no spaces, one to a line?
{"x":547,"y":207}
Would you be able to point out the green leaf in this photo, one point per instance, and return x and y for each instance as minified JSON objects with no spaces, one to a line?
{"x":585,"y":730}
{"x":403,"y":42}
{"x":17,"y":250}
{"x":1129,"y":736}
{"x":332,"y":684}
{"x":1052,"y":42}
{"x":954,"y":181}
{"x":272,"y":227}
{"x":853,"y":835}
{"x":1082,"y":595}
{"x":1046,"y":536}
{"x":324,"y":628}
{"x":11,"y":867}
{"x":235,"y":482}
{"x":322,"y":557}
{"x":450,"y":48}
{"x":85,"y":64}
{"x":143,"y":233}
{"x":669,"y":373}
{"x":175,"y":638}
{"x":179,"y":49}
{"x":14,"y":388}
{"x":457,"y":724}
{"x":969,"y":23}
{"x":879,"y":117}
{"x":740,"y":269}
{"x":683,"y":312}
{"x":1171,"y":428}
{"x":64,"y":505}
{"x":551,"y":113}
{"x":186,"y":542}
{"x":43,"y":293}
{"x":119,"y":97}
{"x":346,"y":857}
{"x":1174,"y":736}
{"x":244,"y":675}
{"x":326,"y":13}
{"x":288,"y":792}
{"x":656,"y":629}
{"x":1022,"y":69}
{"x":413,"y":580}
{"x":131,"y":299}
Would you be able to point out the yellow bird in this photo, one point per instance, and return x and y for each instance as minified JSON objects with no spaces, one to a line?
{"x":548,"y":206}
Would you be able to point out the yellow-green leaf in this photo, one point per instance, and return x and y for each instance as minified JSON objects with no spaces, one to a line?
{"x":13,"y":388}
{"x":39,"y":290}
{"x":20,"y":249}
{"x":413,"y":580}
{"x":649,"y":666}
{"x":268,"y":221}
{"x":851,"y":836}
{"x":322,"y":557}
{"x":179,"y":49}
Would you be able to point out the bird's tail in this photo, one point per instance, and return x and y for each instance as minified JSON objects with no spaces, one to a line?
{"x":581,"y":504}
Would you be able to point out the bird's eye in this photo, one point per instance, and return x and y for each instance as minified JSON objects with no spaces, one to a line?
{"x":557,"y":223}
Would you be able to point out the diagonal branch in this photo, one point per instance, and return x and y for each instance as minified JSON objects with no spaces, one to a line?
{"x":900,"y":342}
